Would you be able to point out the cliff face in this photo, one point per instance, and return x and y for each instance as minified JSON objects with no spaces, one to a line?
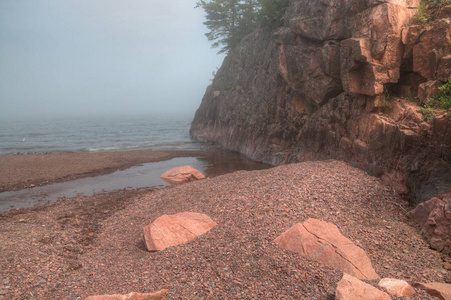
{"x":338,"y":80}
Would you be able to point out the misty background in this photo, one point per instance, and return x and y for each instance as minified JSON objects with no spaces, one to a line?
{"x":102,"y":57}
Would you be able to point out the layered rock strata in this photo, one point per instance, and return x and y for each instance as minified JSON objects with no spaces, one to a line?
{"x":336,"y":81}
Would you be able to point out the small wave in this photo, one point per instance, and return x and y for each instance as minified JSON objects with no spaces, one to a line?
{"x":122,"y":147}
{"x":102,"y":149}
{"x":95,"y":135}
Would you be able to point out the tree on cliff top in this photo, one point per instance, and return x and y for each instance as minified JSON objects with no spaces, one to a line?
{"x":271,"y":12}
{"x":230,"y":20}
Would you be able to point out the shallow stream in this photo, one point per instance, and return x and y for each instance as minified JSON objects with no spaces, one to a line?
{"x":146,"y":175}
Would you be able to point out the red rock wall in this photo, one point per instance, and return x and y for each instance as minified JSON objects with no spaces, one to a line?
{"x":316,"y":89}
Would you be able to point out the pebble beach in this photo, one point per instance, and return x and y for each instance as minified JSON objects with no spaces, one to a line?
{"x":93,"y":245}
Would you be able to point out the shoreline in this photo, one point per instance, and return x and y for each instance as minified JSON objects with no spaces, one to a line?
{"x":19,"y":172}
{"x":89,"y":245}
{"x":26,"y":181}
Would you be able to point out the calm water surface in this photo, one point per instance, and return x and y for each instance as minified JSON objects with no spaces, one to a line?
{"x":94,"y":134}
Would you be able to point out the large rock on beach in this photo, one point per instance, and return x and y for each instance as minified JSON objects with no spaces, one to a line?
{"x":181,"y":175}
{"x":440,"y":290}
{"x":397,"y":287}
{"x":434,"y":217}
{"x":172,"y":230}
{"x":132,"y":296}
{"x":351,"y":288}
{"x":323,"y":242}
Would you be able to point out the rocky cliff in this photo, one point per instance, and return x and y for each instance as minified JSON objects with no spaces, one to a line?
{"x":340,"y":79}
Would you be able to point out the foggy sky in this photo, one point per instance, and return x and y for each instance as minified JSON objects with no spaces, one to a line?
{"x":80,"y":57}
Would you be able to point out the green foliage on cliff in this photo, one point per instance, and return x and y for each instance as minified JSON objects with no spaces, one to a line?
{"x":421,"y":16}
{"x":443,"y":98}
{"x":428,"y":10}
{"x":271,"y":12}
{"x":230,"y":20}
{"x":441,"y":101}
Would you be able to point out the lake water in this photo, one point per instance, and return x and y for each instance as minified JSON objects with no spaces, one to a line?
{"x":110,"y":134}
{"x":92,"y":134}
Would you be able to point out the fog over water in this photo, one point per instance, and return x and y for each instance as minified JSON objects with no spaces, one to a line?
{"x":102,"y":57}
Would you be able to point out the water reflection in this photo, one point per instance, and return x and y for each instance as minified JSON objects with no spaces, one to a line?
{"x":223,"y":162}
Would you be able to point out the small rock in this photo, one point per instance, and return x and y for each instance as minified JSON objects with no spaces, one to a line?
{"x":132,"y":296}
{"x":351,"y":288}
{"x":396,"y":287}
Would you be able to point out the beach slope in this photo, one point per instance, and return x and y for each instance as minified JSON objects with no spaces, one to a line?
{"x":94,"y":245}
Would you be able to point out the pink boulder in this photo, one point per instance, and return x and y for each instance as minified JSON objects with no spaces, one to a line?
{"x":132,"y":296}
{"x":440,"y":290}
{"x":172,"y":230}
{"x":351,"y":288}
{"x":396,"y":287}
{"x":181,"y":175}
{"x":323,"y":242}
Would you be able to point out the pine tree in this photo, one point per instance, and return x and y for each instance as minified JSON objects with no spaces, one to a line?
{"x":231,"y":20}
{"x":271,"y":12}
{"x":228,"y":21}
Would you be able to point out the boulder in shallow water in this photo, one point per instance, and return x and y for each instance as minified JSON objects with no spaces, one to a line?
{"x":172,"y":230}
{"x":181,"y":175}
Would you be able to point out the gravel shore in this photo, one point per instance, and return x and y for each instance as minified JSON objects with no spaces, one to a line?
{"x":93,"y":245}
